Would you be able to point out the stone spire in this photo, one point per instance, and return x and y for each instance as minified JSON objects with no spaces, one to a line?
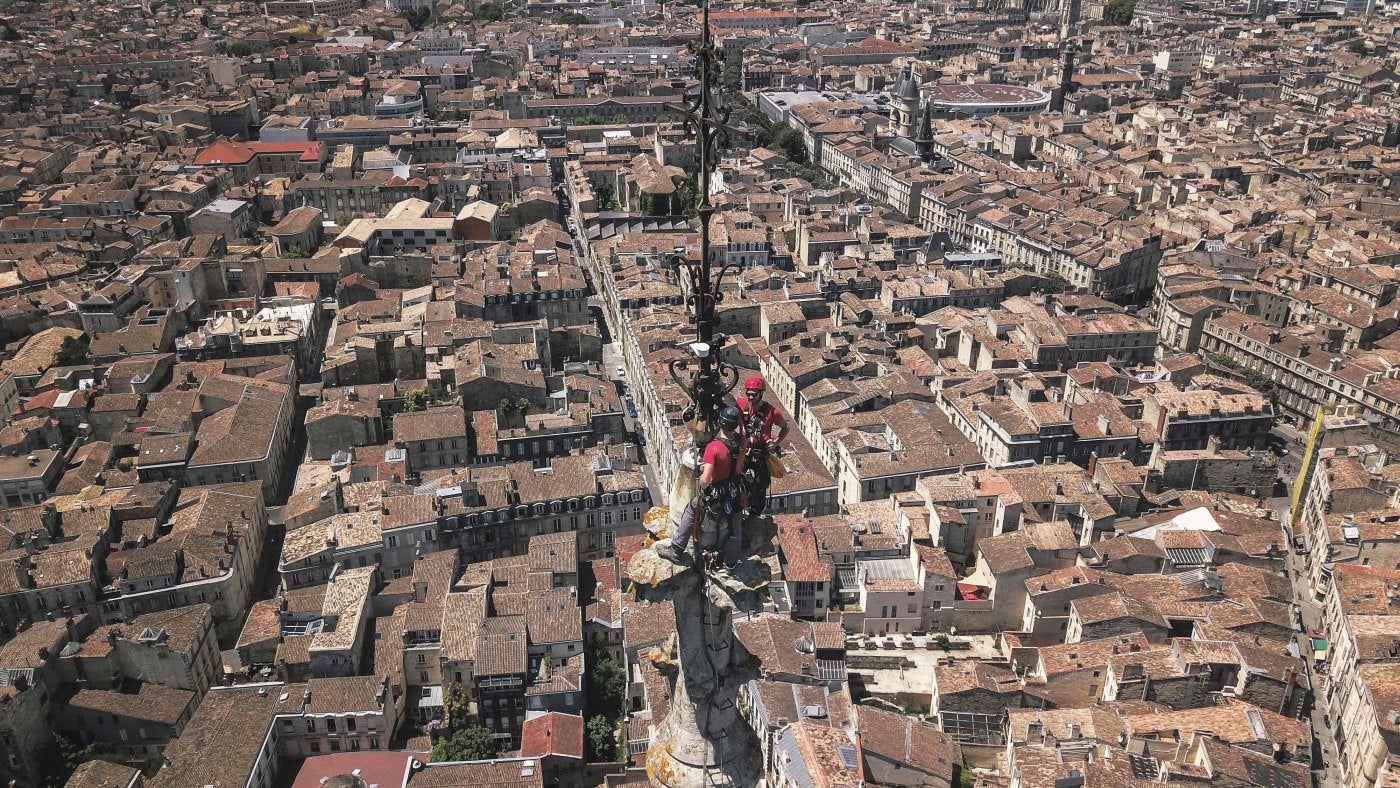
{"x":925,"y":139}
{"x":704,"y":741}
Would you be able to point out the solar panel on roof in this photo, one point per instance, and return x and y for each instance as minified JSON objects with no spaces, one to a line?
{"x":1144,"y":767}
{"x":1256,"y":724}
{"x":848,"y":756}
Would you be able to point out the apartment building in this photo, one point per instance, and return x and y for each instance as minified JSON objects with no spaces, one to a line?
{"x":433,"y":438}
{"x":388,"y":533}
{"x":1350,"y":492}
{"x":1189,"y":419}
{"x":173,"y":648}
{"x":1307,"y":370}
{"x":1362,"y":619}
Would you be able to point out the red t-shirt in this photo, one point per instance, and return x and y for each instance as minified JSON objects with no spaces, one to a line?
{"x":773,"y":418}
{"x":718,"y":455}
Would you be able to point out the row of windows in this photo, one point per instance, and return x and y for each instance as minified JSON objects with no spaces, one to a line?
{"x":573,"y":504}
{"x":332,"y":726}
{"x":351,"y":745}
{"x":416,"y":233}
{"x":550,"y":295}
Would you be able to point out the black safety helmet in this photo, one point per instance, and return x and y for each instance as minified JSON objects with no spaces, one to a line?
{"x":729,"y":417}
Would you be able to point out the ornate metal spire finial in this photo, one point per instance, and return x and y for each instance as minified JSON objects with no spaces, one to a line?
{"x":706,"y":117}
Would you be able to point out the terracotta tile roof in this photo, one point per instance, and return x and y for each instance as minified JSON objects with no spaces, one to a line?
{"x":501,"y":647}
{"x":1236,"y":722}
{"x":498,"y":774}
{"x":648,"y":624}
{"x":101,"y":774}
{"x":1088,"y":654}
{"x":345,"y":694}
{"x":552,"y":734}
{"x":1108,"y":607}
{"x":184,"y":627}
{"x":553,"y":617}
{"x":153,"y":702}
{"x":446,"y":421}
{"x":773,"y":640}
{"x":557,"y":553}
{"x":820,"y":749}
{"x":904,"y":740}
{"x":205,"y":753}
{"x":375,"y":768}
{"x":798,"y":547}
{"x":55,"y":567}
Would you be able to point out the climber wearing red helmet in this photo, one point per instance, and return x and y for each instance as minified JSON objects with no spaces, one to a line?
{"x":759,"y":420}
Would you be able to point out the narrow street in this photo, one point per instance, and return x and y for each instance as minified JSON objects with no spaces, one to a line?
{"x":613,"y":359}
{"x":1325,"y":770}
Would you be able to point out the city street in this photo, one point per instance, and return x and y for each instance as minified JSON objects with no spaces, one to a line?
{"x":1310,"y":618}
{"x":612,"y":359}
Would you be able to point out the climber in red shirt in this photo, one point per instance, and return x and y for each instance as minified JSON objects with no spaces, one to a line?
{"x":759,"y":420}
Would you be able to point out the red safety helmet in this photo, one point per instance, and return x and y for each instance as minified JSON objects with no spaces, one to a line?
{"x":754,"y":383}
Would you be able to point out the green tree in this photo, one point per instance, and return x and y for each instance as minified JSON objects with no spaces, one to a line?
{"x":689,"y":193}
{"x":465,"y":744}
{"x":1055,"y":284}
{"x":600,"y":739}
{"x":1119,"y":12}
{"x":732,"y":77}
{"x":789,"y":143}
{"x":606,"y":196}
{"x":1357,"y":47}
{"x":1224,"y":360}
{"x":489,"y":12}
{"x":416,"y":400}
{"x":607,"y":685}
{"x":592,"y":119}
{"x":513,"y":410}
{"x":244,"y":47}
{"x":572,"y":18}
{"x":417,"y":18}
{"x":1252,"y":377}
{"x":63,"y":756}
{"x":656,"y":204}
{"x":73,"y":352}
{"x":455,"y":703}
{"x":1262,"y":383}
